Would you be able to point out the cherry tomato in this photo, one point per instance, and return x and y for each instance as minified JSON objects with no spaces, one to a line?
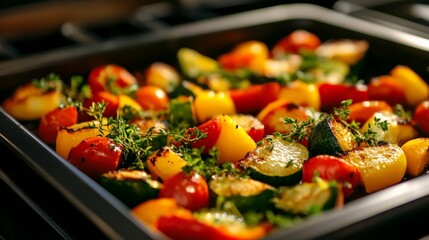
{"x":421,"y":117}
{"x":152,"y":97}
{"x":331,"y":95}
{"x":95,"y":156}
{"x":386,"y":88}
{"x":295,"y":41}
{"x":111,"y":78}
{"x":190,"y":190}
{"x":362,"y":111}
{"x":51,"y":122}
{"x":255,"y":97}
{"x":212,"y":130}
{"x":332,"y":168}
{"x":111,"y":101}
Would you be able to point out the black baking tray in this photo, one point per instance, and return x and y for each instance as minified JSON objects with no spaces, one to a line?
{"x":406,"y":15}
{"x":373,"y":216}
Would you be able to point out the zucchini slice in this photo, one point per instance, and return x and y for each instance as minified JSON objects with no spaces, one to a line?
{"x":130,"y":186}
{"x":309,"y":198}
{"x":247,"y":194}
{"x":276,"y":162}
{"x":330,"y":137}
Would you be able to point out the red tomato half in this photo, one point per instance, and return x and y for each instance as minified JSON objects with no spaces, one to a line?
{"x":332,"y":168}
{"x":254,"y":98}
{"x":295,"y":41}
{"x":331,"y":95}
{"x":421,"y":117}
{"x":212,"y":130}
{"x":190,"y":190}
{"x":110,"y":78}
{"x":386,"y":88}
{"x":51,"y":122}
{"x":95,"y":156}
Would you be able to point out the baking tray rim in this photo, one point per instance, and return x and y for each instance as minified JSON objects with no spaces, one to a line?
{"x":17,"y":137}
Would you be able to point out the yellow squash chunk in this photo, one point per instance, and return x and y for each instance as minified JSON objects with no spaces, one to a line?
{"x":209,"y":104}
{"x":71,"y":136}
{"x":417,"y":152}
{"x":30,"y":103}
{"x":399,"y":131}
{"x":416,"y":89}
{"x":165,"y":163}
{"x":233,"y":142}
{"x":379,"y":166}
{"x":301,"y":93}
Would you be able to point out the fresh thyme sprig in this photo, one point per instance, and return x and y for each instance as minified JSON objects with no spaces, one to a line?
{"x":370,"y":135}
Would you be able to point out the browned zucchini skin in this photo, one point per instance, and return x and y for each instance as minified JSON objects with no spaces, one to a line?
{"x":130,"y":191}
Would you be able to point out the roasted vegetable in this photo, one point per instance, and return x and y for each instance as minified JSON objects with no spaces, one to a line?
{"x":310,"y":198}
{"x":379,"y":166}
{"x":276,"y":162}
{"x":246,"y":194}
{"x":330,"y":137}
{"x":130,"y":186}
{"x":417,"y":153}
{"x":165,"y":163}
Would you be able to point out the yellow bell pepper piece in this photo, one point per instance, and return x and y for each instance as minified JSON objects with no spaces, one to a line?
{"x":31,"y":103}
{"x":125,"y":100}
{"x":209,"y":104}
{"x":233,"y":142}
{"x":165,"y":163}
{"x":379,"y":166}
{"x":416,"y":89}
{"x":71,"y":136}
{"x":417,"y":152}
{"x":301,"y":93}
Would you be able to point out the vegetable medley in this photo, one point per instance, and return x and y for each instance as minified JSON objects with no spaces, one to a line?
{"x":235,"y":146}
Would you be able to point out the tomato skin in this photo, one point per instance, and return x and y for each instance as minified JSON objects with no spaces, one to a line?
{"x":360,"y":112}
{"x":331,"y":95}
{"x":421,"y":117}
{"x":212,"y":130}
{"x":152,"y":98}
{"x":297,"y":40}
{"x":95,"y":156}
{"x":100,"y":76}
{"x":386,"y":88}
{"x":190,"y":190}
{"x":111,"y":101}
{"x":331,"y":168}
{"x":51,"y":122}
{"x":254,"y":98}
